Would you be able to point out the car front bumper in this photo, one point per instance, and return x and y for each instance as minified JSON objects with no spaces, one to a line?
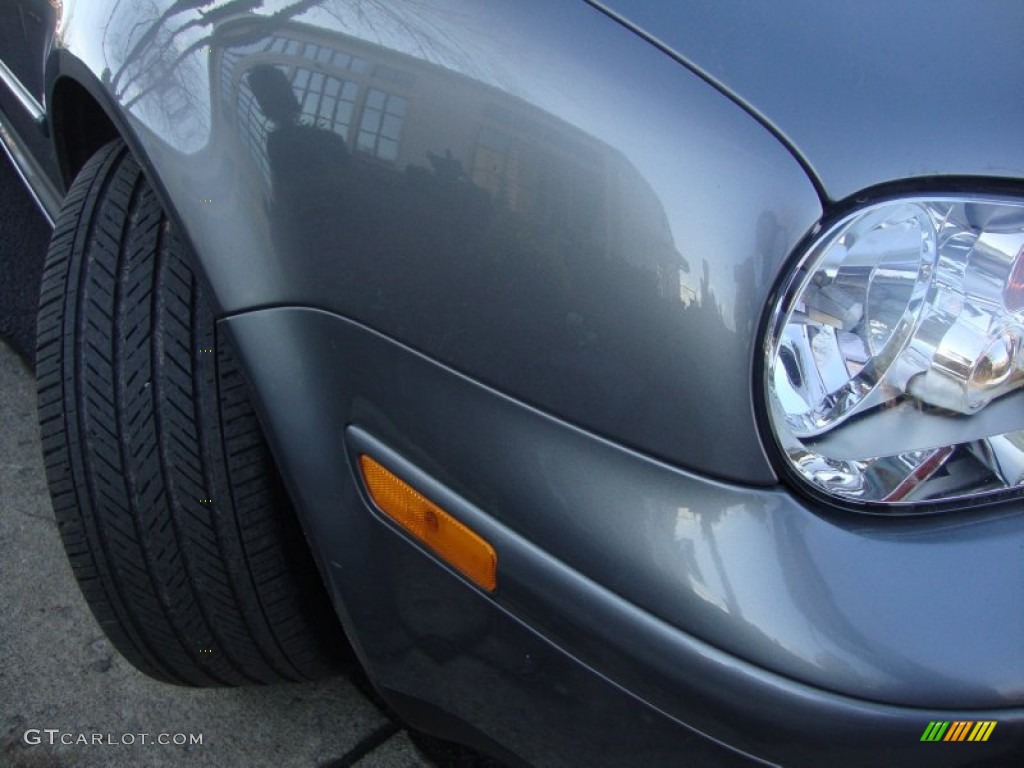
{"x":642,"y":614}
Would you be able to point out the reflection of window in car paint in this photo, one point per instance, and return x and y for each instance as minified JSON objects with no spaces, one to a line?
{"x":540,"y":169}
{"x":490,"y":160}
{"x":524,"y":127}
{"x":311,"y":100}
{"x":326,"y":101}
{"x":252,"y":126}
{"x":337,"y":105}
{"x":381,"y":125}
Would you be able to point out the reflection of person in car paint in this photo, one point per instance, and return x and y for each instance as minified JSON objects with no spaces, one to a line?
{"x":308,"y":164}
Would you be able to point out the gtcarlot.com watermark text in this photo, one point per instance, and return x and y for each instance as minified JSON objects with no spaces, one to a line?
{"x":55,"y":736}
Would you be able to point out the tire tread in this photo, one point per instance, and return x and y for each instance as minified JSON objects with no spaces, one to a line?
{"x":138,"y":427}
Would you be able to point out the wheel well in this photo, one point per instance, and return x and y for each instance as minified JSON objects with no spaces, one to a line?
{"x":80,"y":127}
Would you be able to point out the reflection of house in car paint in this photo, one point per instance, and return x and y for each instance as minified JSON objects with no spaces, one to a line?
{"x":390,"y":108}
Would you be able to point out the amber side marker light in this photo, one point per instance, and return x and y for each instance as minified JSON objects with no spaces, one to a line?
{"x":449,"y":539}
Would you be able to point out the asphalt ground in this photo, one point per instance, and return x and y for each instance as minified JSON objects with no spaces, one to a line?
{"x":62,"y":681}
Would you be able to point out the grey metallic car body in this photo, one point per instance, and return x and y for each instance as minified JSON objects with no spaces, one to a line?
{"x":534,"y":285}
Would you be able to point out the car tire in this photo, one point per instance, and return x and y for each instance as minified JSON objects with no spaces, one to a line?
{"x":176,"y":524}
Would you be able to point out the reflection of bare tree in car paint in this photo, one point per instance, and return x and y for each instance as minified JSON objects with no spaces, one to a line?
{"x":153,"y":60}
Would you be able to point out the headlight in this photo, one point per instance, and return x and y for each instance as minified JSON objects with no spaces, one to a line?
{"x":895,"y":357}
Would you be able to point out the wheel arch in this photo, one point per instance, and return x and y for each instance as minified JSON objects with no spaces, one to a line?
{"x":83,"y":116}
{"x":80,"y":126}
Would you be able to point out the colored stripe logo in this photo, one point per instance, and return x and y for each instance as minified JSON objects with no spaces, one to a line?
{"x":958,"y":730}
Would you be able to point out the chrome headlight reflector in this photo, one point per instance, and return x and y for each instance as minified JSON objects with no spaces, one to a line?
{"x":895,"y":357}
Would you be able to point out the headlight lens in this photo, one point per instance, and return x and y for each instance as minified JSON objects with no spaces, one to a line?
{"x":895,"y":357}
